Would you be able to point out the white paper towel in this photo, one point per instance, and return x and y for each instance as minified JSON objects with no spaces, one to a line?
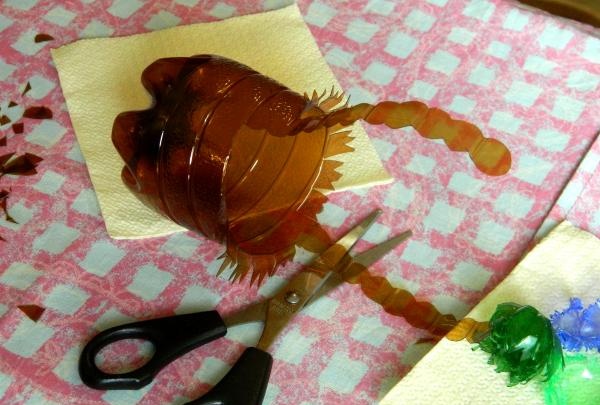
{"x":101,"y":78}
{"x":565,"y":264}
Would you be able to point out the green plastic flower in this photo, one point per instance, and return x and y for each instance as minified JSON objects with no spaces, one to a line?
{"x":521,"y":342}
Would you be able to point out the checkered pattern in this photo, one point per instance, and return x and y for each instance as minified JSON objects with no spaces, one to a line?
{"x":525,"y":78}
{"x":578,"y":203}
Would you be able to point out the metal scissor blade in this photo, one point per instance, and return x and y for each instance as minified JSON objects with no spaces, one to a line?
{"x":254,"y":313}
{"x":372,"y":255}
{"x":333,"y":281}
{"x":349,"y":239}
{"x":287,"y":302}
{"x":332,"y":256}
{"x":365,"y":260}
{"x":303,"y":286}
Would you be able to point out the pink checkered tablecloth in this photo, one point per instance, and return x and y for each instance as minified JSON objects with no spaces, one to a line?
{"x":524,"y":77}
{"x":579,"y":202}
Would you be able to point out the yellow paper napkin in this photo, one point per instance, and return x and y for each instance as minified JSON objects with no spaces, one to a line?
{"x":101,"y":78}
{"x":565,"y":264}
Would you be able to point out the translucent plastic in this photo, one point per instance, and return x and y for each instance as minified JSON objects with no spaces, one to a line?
{"x":33,"y":312}
{"x":16,"y":165}
{"x":519,"y":340}
{"x":470,"y":329}
{"x":578,"y":383}
{"x":214,"y":156}
{"x":400,"y":302}
{"x":578,"y":327}
{"x":241,"y":159}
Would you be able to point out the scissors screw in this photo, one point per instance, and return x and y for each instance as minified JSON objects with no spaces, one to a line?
{"x":292,"y":297}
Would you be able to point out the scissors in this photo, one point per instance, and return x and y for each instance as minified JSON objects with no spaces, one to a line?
{"x":246,"y":382}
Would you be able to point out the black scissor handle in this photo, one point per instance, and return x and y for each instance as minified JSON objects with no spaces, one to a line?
{"x":171,"y":336}
{"x":244,"y":384}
